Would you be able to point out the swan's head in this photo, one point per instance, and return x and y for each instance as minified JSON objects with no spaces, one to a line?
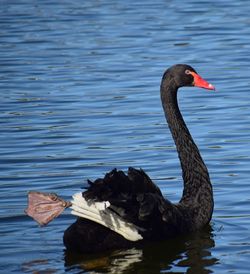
{"x":185,"y":75}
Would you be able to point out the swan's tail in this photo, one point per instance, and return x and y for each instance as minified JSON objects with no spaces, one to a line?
{"x":43,"y":208}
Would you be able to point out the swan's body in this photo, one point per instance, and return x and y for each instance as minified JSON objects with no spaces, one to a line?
{"x":119,"y":210}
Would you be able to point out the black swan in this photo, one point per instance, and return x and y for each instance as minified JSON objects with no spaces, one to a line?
{"x":122,"y":210}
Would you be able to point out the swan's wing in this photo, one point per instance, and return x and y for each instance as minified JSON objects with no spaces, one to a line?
{"x":137,"y":200}
{"x":129,"y":195}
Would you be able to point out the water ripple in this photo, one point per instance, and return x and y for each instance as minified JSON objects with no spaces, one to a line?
{"x":80,"y":95}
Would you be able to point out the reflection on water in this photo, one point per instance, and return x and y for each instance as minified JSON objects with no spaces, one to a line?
{"x":187,"y":254}
{"x":37,"y":266}
{"x":120,"y":261}
{"x":190,"y":254}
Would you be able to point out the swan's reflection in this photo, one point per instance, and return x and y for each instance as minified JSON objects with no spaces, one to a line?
{"x":189,"y":254}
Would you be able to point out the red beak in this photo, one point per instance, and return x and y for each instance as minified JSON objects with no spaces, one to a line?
{"x":200,"y":82}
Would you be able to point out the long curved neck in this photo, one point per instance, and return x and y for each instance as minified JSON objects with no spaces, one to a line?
{"x":197,"y":184}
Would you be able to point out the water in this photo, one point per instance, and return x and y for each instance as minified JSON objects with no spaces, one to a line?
{"x":80,"y":95}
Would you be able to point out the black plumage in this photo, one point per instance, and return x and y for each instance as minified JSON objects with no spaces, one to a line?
{"x":135,"y":198}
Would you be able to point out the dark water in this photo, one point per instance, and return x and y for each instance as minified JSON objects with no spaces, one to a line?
{"x":80,"y":95}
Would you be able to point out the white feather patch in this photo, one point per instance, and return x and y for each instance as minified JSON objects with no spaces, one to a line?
{"x":100,"y":213}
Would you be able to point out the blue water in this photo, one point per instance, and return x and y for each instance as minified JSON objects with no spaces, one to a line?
{"x":80,"y":95}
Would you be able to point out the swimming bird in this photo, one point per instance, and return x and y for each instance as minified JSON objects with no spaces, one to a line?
{"x":122,"y":210}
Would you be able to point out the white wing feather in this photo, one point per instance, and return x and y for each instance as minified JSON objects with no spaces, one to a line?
{"x":100,"y":213}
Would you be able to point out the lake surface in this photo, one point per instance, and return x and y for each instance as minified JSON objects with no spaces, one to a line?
{"x":80,"y":95}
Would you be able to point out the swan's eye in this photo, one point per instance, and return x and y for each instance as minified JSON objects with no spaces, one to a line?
{"x":187,"y":71}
